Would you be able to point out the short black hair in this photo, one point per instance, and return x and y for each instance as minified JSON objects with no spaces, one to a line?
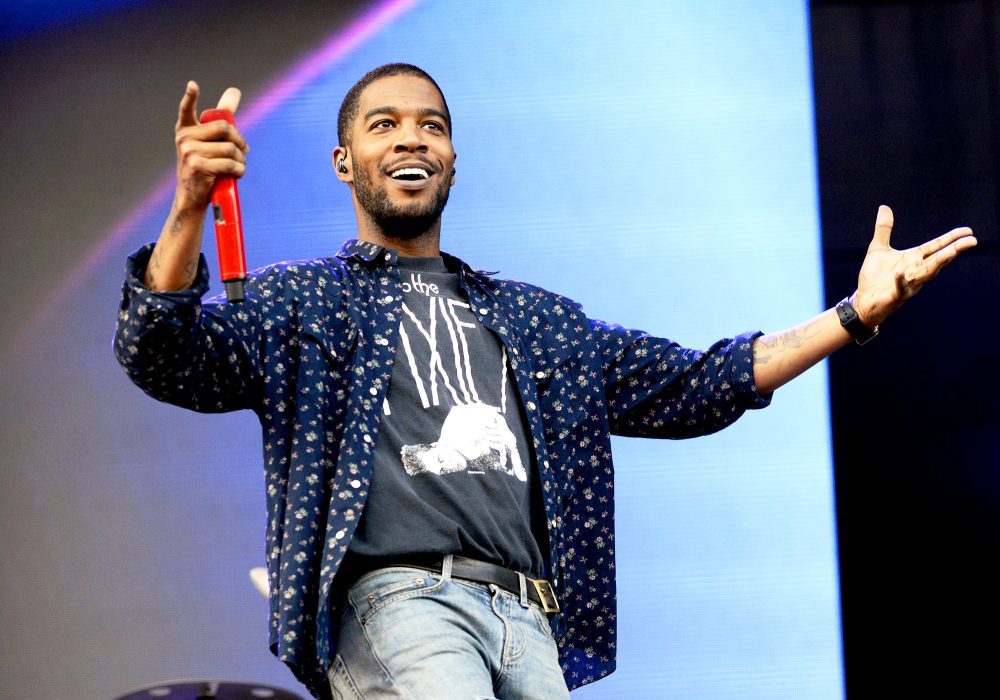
{"x":349,"y":107}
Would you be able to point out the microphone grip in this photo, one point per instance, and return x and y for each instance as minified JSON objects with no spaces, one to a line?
{"x":228,"y":224}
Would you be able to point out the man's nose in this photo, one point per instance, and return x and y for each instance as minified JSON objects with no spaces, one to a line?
{"x":410,"y":138}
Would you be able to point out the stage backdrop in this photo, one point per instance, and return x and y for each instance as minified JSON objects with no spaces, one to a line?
{"x":654,"y":161}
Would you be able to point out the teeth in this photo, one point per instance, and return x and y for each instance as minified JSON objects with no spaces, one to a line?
{"x":410,"y":172}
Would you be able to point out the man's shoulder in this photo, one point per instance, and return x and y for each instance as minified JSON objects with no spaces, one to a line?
{"x":306,"y":271}
{"x":522,"y":293}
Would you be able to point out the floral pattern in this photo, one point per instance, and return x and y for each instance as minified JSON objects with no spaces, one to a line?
{"x":311,"y":351}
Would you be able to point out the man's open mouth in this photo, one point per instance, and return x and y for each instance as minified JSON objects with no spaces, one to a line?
{"x":410,"y":174}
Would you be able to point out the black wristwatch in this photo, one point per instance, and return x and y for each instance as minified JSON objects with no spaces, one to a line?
{"x":850,"y":320}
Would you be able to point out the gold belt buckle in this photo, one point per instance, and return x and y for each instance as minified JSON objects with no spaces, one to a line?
{"x":545,"y":593}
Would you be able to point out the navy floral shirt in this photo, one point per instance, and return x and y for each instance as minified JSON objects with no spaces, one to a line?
{"x":311,"y":351}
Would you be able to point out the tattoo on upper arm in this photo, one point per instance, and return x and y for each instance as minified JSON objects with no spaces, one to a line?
{"x":178,"y":222}
{"x":191,"y":270}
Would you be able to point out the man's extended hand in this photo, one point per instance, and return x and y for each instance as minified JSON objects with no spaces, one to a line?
{"x":889,"y":277}
{"x":205,"y":151}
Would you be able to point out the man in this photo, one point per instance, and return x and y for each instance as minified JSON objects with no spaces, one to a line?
{"x":436,"y":441}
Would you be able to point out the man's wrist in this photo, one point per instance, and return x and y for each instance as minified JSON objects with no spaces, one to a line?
{"x":853,"y":322}
{"x":865,"y":313}
{"x":185,"y":208}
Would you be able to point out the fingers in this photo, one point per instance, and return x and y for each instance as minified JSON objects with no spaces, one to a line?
{"x":217,"y":166}
{"x":202,"y":136}
{"x":218,"y":130}
{"x":230,"y":99}
{"x":883,"y":225}
{"x":187,"y":114}
{"x":205,"y":150}
{"x":212,"y":149}
{"x":958,"y":234}
{"x":928,"y":268}
{"x":934,"y":263}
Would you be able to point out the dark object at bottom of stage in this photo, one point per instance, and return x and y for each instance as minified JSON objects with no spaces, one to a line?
{"x":208,"y":690}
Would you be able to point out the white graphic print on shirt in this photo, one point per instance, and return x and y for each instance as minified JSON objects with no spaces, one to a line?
{"x":474,"y":436}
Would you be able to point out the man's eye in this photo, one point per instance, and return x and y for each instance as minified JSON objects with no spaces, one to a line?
{"x":382,"y":123}
{"x":434,"y":125}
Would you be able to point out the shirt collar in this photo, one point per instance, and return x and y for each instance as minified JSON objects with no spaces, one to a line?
{"x":377,"y":255}
{"x":366,"y":252}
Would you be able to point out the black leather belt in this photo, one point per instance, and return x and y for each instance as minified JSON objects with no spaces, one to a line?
{"x":538,"y":590}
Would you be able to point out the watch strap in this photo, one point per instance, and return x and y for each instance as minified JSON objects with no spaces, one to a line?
{"x":850,"y":320}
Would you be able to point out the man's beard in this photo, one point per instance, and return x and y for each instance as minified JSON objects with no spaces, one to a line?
{"x":398,"y":221}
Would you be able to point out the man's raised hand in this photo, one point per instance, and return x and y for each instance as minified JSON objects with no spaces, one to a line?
{"x":205,"y":151}
{"x":889,"y":277}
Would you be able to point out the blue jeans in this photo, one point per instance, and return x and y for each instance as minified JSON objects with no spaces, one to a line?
{"x":407,"y":633}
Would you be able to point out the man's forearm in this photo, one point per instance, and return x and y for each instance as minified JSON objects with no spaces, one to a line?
{"x":780,"y":357}
{"x":174,"y":262}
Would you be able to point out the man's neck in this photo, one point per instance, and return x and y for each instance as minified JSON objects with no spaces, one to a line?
{"x":424,"y":245}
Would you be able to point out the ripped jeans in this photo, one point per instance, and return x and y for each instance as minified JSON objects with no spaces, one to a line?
{"x":407,"y":633}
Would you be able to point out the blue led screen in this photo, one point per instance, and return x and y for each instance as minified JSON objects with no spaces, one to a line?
{"x":652,"y":160}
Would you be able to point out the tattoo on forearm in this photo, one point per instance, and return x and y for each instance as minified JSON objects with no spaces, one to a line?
{"x":178,"y":222}
{"x":152,"y":268}
{"x":770,"y":347}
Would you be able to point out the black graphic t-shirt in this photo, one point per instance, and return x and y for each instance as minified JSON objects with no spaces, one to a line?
{"x":453,"y":473}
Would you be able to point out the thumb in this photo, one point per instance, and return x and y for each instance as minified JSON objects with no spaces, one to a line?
{"x":883,"y":225}
{"x":187,"y":113}
{"x":230,"y":99}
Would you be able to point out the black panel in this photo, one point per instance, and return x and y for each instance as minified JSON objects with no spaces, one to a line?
{"x":908,"y":114}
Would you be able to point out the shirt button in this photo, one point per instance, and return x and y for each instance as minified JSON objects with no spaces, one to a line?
{"x":373,"y":391}
{"x":356,"y":484}
{"x":388,"y":257}
{"x":340,"y":534}
{"x":383,"y":341}
{"x":388,"y":298}
{"x":530,"y":405}
{"x":484,"y":310}
{"x":514,"y":350}
{"x":367,"y":438}
{"x":540,"y":375}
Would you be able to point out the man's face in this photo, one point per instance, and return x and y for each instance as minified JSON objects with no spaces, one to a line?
{"x":401,"y":156}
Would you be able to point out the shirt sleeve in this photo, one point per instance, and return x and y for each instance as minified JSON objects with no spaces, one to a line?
{"x":183,"y":352}
{"x":656,"y":388}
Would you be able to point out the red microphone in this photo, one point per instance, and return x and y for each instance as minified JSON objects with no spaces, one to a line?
{"x":228,"y":223}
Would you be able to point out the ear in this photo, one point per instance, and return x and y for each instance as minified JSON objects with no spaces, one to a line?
{"x":341,"y":155}
{"x":454,"y":158}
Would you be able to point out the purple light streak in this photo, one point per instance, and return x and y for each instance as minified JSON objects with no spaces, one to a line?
{"x":342,"y":43}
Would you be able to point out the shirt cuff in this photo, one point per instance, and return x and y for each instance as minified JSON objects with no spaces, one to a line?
{"x":175,"y":305}
{"x":743,"y":371}
{"x":135,"y":274}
